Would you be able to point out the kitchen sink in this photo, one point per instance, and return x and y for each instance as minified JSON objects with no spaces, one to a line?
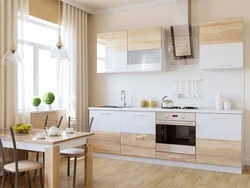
{"x":113,"y":106}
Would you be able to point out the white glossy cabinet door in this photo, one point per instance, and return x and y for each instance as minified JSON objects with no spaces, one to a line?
{"x":138,"y":122}
{"x":221,"y":56}
{"x":104,"y":120}
{"x":219,"y":126}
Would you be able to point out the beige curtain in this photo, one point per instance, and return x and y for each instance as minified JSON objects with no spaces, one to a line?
{"x":8,"y":73}
{"x":74,"y":72}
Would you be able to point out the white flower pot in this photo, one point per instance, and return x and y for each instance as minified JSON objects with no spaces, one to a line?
{"x":49,"y":106}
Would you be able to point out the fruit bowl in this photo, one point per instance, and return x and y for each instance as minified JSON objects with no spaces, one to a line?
{"x":22,"y":128}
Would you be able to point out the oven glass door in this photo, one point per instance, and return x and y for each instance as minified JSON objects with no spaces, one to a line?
{"x":175,"y":134}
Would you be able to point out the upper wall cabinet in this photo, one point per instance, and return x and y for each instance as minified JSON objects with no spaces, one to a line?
{"x":145,"y":39}
{"x":112,"y":52}
{"x":147,"y":49}
{"x":221,"y":44}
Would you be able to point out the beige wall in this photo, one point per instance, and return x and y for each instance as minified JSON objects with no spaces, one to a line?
{"x":202,"y":10}
{"x":44,"y":9}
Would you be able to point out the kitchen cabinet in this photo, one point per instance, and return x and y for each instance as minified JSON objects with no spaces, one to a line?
{"x":112,"y":52}
{"x":145,"y":39}
{"x":175,"y":157}
{"x":138,"y":134}
{"x":221,"y":44}
{"x":106,"y":126}
{"x":147,"y":49}
{"x":219,"y":139}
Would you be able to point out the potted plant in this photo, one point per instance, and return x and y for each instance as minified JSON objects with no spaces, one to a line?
{"x":36,"y":101}
{"x":48,"y":98}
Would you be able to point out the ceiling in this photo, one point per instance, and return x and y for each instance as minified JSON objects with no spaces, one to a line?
{"x":106,"y":4}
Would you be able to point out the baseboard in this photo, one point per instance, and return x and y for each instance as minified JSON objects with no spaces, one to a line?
{"x":233,"y":170}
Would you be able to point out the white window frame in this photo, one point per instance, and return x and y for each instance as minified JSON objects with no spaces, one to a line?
{"x":36,"y":48}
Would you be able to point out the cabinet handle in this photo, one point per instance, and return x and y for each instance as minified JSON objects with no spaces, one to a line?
{"x":175,"y":157}
{"x":104,"y":113}
{"x":140,"y":137}
{"x":111,"y":69}
{"x":219,"y":117}
{"x":147,"y":68}
{"x":138,"y":114}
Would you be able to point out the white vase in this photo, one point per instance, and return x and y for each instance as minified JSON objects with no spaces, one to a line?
{"x":36,"y":108}
{"x":49,"y":106}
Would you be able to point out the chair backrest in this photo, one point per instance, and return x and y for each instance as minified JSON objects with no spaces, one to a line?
{"x":80,"y":124}
{"x":53,"y":121}
{"x":14,"y":148}
{"x":2,"y":153}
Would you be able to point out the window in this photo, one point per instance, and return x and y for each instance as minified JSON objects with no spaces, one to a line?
{"x":39,"y":72}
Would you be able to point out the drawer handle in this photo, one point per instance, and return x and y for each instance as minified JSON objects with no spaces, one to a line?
{"x":140,"y":137}
{"x":138,"y":114}
{"x":175,"y":157}
{"x":104,"y":113}
{"x":220,"y":117}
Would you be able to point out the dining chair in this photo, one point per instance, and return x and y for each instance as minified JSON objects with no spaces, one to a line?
{"x":49,"y":122}
{"x":18,"y":166}
{"x":80,"y":125}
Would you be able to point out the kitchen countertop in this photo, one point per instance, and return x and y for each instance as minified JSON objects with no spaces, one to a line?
{"x":148,"y":109}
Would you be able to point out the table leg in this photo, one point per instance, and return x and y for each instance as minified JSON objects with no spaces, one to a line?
{"x":52,"y":167}
{"x":89,"y":165}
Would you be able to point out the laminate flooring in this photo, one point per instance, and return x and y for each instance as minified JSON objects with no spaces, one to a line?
{"x":109,"y":173}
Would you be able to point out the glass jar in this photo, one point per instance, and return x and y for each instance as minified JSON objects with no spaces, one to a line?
{"x":144,"y":103}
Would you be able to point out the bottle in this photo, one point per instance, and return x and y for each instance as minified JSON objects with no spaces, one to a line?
{"x":218,"y":102}
{"x":227,"y":105}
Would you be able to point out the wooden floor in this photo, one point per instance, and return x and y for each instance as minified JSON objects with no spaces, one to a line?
{"x":123,"y":174}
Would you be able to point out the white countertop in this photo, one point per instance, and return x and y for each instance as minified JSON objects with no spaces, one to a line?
{"x":148,"y":109}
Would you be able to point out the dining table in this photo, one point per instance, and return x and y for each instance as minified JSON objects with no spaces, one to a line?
{"x":51,"y":146}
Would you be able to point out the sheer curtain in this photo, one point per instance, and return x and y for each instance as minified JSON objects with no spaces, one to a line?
{"x":74,"y":71}
{"x":8,"y":73}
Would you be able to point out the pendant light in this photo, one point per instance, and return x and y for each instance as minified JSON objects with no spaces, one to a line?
{"x":11,"y":56}
{"x":58,"y":52}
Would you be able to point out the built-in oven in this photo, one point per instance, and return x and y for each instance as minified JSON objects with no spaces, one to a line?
{"x":175,"y":132}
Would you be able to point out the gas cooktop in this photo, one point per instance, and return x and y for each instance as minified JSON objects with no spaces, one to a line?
{"x":184,"y":107}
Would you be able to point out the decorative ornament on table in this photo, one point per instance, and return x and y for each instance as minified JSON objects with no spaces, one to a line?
{"x":36,"y":101}
{"x":48,"y":98}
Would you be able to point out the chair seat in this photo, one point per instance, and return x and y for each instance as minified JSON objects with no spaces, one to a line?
{"x":72,"y":152}
{"x":25,"y":165}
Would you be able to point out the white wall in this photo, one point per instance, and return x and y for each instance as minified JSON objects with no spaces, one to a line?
{"x":106,"y":88}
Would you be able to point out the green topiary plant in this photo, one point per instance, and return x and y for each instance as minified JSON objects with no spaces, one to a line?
{"x":36,"y":101}
{"x":48,"y":98}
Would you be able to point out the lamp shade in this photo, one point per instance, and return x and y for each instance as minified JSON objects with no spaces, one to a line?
{"x":11,"y":56}
{"x":58,"y":52}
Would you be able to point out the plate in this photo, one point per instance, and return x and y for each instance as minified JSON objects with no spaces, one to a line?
{"x":36,"y":138}
{"x":67,"y":132}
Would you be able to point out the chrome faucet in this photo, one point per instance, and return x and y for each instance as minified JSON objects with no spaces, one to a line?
{"x":123,"y":97}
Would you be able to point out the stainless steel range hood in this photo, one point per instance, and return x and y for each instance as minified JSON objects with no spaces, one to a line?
{"x":181,"y":32}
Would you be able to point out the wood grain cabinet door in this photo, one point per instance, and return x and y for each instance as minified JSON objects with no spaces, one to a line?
{"x":106,"y":142}
{"x":218,"y":152}
{"x":142,"y":145}
{"x":145,"y":39}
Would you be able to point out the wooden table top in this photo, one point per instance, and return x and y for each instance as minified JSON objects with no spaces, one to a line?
{"x":50,"y":140}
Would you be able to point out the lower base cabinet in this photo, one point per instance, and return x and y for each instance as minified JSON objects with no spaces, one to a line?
{"x":106,"y":142}
{"x":142,"y":145}
{"x":175,"y":157}
{"x":218,"y":152}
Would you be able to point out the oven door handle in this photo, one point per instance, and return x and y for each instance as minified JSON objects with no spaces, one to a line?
{"x":190,"y":124}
